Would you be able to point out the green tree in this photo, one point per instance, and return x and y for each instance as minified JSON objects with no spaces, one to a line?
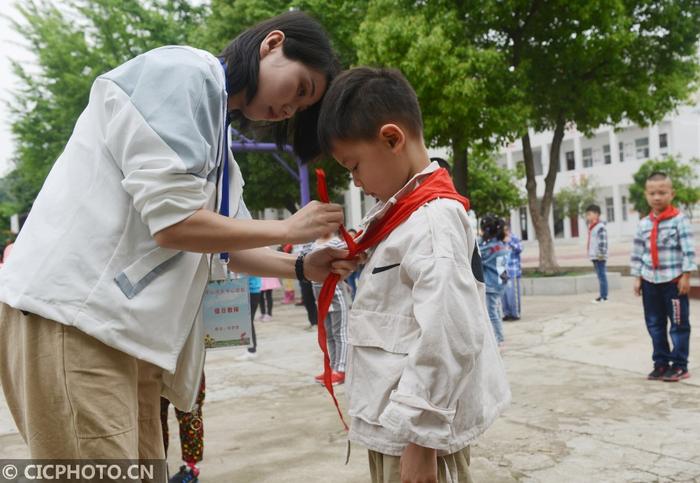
{"x":73,"y":45}
{"x":267,"y":183}
{"x":466,"y":103}
{"x":573,"y":200}
{"x":582,"y":64}
{"x":492,"y":189}
{"x":683,"y":175}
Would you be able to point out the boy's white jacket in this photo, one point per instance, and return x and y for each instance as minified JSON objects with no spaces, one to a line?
{"x":143,"y":156}
{"x":423,"y":364}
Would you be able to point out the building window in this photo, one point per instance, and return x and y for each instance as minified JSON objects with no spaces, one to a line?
{"x":610,"y":210}
{"x":663,"y":144}
{"x":570,"y":161}
{"x":607,"y":157}
{"x":523,"y":223}
{"x":587,"y":157}
{"x":624,"y":208}
{"x":621,"y":147}
{"x":642,"y":147}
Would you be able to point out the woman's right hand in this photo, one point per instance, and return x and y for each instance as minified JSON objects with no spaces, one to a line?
{"x":314,"y":220}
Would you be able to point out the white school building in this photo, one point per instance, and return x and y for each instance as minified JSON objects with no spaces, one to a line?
{"x":609,"y":158}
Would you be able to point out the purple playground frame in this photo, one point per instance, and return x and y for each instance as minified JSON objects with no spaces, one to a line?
{"x":242,"y":144}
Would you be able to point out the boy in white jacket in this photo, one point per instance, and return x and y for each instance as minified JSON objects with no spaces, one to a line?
{"x":424,"y":377}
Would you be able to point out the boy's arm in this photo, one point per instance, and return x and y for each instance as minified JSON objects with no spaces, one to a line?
{"x":449,"y":311}
{"x":602,"y":242}
{"x":685,"y":235}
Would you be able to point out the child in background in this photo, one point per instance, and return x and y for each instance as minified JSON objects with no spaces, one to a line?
{"x":662,"y":260}
{"x":511,"y":295}
{"x":191,"y":426}
{"x":597,"y":247}
{"x":254,"y":288}
{"x":288,"y":283}
{"x":424,"y":375}
{"x":268,"y":285}
{"x":336,"y":322}
{"x":494,"y":256}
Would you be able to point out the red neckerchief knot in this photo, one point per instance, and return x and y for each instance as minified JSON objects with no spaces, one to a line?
{"x":667,"y":214}
{"x":436,"y":185}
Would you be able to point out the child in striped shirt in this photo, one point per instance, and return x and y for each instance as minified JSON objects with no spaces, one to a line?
{"x":662,"y":260}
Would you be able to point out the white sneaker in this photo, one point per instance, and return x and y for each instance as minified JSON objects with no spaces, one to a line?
{"x":247,"y":356}
{"x":599,"y":300}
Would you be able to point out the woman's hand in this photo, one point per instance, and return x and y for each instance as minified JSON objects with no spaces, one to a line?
{"x":314,"y":220}
{"x":319,"y":263}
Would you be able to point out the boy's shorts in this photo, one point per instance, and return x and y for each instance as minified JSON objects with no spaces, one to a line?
{"x":452,"y":468}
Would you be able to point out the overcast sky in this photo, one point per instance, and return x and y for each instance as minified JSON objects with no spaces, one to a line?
{"x":9,"y":49}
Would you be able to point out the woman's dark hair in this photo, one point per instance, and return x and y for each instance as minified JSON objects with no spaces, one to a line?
{"x":305,"y":41}
{"x":493,"y":227}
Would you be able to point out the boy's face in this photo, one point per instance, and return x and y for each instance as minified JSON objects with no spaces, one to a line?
{"x":375,"y":166}
{"x":592,"y":217}
{"x":659,"y":194}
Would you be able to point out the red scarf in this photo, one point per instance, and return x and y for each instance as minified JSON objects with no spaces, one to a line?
{"x":667,"y":214}
{"x":590,"y":229}
{"x":436,"y":185}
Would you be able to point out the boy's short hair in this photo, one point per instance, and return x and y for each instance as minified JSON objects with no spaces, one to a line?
{"x":361,"y":100}
{"x":658,"y":176}
{"x":593,"y":209}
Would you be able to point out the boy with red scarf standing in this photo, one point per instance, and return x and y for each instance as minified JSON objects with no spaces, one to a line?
{"x":662,"y":260}
{"x":597,"y":247}
{"x":424,"y":377}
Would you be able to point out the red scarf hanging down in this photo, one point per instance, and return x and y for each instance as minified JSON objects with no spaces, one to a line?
{"x":436,"y":185}
{"x":590,"y":229}
{"x":667,"y":214}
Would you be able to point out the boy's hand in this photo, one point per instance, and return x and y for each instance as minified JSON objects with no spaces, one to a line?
{"x":638,"y":286}
{"x":418,"y":464}
{"x":319,"y":263}
{"x":684,"y":284}
{"x":314,"y":220}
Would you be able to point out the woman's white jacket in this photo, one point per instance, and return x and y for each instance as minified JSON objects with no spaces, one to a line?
{"x":144,"y":155}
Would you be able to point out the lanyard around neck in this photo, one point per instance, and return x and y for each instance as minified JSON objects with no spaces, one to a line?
{"x":224,"y":207}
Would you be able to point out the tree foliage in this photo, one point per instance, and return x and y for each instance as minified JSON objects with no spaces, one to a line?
{"x":466,"y":102}
{"x":574,"y":199}
{"x":585,"y":63}
{"x":493,"y":189}
{"x":683,"y":176}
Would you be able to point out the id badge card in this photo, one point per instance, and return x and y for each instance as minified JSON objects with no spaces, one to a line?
{"x":226,"y":313}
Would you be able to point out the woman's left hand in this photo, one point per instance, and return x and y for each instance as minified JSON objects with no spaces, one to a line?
{"x":319,"y":263}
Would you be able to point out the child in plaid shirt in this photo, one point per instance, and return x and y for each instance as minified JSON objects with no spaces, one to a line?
{"x":662,"y":259}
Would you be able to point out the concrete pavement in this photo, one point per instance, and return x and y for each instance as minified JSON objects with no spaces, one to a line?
{"x":582,"y":409}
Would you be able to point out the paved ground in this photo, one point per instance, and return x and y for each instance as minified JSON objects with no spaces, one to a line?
{"x":582,"y":410}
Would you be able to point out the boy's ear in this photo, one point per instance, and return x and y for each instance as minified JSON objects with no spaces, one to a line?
{"x":270,"y":42}
{"x":393,"y":136}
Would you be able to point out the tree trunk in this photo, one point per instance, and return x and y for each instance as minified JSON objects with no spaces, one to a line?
{"x":460,"y":168}
{"x":540,"y":209}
